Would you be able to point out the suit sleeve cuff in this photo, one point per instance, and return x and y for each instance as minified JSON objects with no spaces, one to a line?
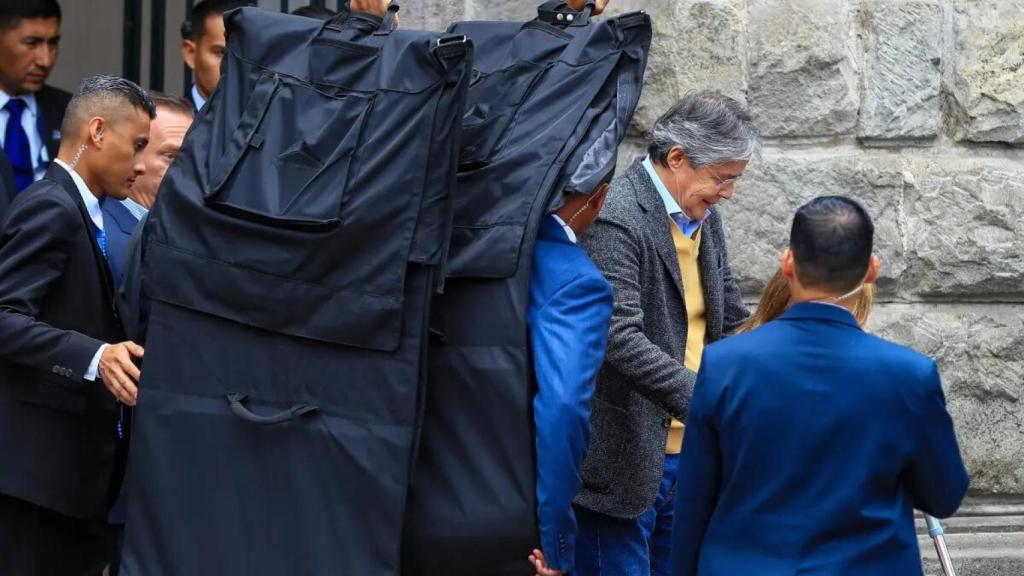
{"x":559,"y":552}
{"x":92,"y":372}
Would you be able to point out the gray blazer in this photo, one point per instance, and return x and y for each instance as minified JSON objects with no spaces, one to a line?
{"x":643,"y":382}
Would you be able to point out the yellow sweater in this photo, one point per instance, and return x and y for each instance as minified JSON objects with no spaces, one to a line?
{"x":687,"y":250}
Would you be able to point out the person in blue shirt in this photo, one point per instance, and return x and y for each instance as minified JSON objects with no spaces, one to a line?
{"x":809,"y":442}
{"x":568,"y":315}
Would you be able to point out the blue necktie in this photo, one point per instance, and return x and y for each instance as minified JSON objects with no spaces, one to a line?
{"x":101,"y":239}
{"x":16,"y":145}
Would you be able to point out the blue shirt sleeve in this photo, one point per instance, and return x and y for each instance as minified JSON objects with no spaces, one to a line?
{"x":568,"y":333}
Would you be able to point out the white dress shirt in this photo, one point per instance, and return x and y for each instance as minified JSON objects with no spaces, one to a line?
{"x":568,"y":231}
{"x":96,"y":215}
{"x":30,"y":122}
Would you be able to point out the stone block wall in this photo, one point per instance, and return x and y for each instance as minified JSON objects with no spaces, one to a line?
{"x":915,"y":108}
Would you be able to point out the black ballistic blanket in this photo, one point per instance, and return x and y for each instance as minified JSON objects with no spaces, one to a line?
{"x":547,"y":109}
{"x":290,"y":261}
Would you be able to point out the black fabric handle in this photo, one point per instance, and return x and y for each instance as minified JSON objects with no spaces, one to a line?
{"x":387,"y":26}
{"x":245,"y":414}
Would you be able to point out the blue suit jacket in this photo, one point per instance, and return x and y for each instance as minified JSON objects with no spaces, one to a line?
{"x":808,"y":444}
{"x":118,"y":226}
{"x":568,"y":315}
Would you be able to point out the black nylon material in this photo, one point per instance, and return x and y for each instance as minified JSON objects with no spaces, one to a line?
{"x":546,"y":111}
{"x":290,"y":259}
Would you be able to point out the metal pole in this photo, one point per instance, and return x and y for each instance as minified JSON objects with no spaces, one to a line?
{"x":937,"y":535}
{"x":157,"y":24}
{"x":132,"y":40}
{"x":284,"y":6}
{"x":187,"y":90}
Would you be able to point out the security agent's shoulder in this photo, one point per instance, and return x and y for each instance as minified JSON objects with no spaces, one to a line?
{"x":744,"y":349}
{"x":559,"y":265}
{"x":44,"y":205}
{"x":53,"y":96}
{"x":901,"y":363}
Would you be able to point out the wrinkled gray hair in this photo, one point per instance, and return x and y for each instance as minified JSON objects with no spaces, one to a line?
{"x":710,"y":127}
{"x":106,"y":96}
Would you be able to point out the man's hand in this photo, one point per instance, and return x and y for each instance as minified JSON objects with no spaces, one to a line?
{"x":537,"y":559}
{"x":578,"y":5}
{"x":378,"y":7}
{"x":119,"y":373}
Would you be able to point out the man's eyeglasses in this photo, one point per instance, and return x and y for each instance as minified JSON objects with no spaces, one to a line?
{"x":723,"y":184}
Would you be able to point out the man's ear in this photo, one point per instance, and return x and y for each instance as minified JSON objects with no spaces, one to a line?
{"x":677,"y":158}
{"x":97,"y":127}
{"x":874,"y":266}
{"x":188,"y":53}
{"x":788,"y":265}
{"x":598,"y":197}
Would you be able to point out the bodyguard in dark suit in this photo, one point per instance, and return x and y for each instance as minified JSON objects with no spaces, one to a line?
{"x":809,"y":442}
{"x":203,"y":43}
{"x":30,"y":111}
{"x":570,"y":306}
{"x":662,"y":248}
{"x":62,"y":364}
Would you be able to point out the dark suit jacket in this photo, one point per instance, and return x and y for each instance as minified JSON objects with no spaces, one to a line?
{"x":7,"y":185}
{"x":118,"y":226}
{"x":57,"y":430}
{"x":643,"y":383}
{"x":570,"y":306}
{"x":132,"y":305}
{"x":52,"y":104}
{"x":808,"y":444}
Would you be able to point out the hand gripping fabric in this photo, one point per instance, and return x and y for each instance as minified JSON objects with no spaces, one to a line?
{"x":548,"y":106}
{"x":289,"y":263}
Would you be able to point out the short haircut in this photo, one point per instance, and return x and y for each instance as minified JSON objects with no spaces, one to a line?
{"x":195,"y":26}
{"x":107,"y":97}
{"x":831,"y":240}
{"x":172,"y":103}
{"x":12,"y":12}
{"x":710,"y":127}
{"x":318,"y":12}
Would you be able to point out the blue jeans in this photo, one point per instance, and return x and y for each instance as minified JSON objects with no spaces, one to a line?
{"x":608,"y":546}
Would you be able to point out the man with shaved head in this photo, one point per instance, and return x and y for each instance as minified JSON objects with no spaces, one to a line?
{"x":63,"y":364}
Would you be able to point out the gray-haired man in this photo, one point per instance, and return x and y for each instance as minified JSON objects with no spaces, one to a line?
{"x":660,"y":244}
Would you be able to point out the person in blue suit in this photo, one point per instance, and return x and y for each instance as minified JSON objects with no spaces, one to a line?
{"x":809,"y":442}
{"x":121,"y":218}
{"x":568,"y":315}
{"x":120,"y":223}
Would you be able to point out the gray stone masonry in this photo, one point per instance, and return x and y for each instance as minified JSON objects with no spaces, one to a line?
{"x":913,"y":107}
